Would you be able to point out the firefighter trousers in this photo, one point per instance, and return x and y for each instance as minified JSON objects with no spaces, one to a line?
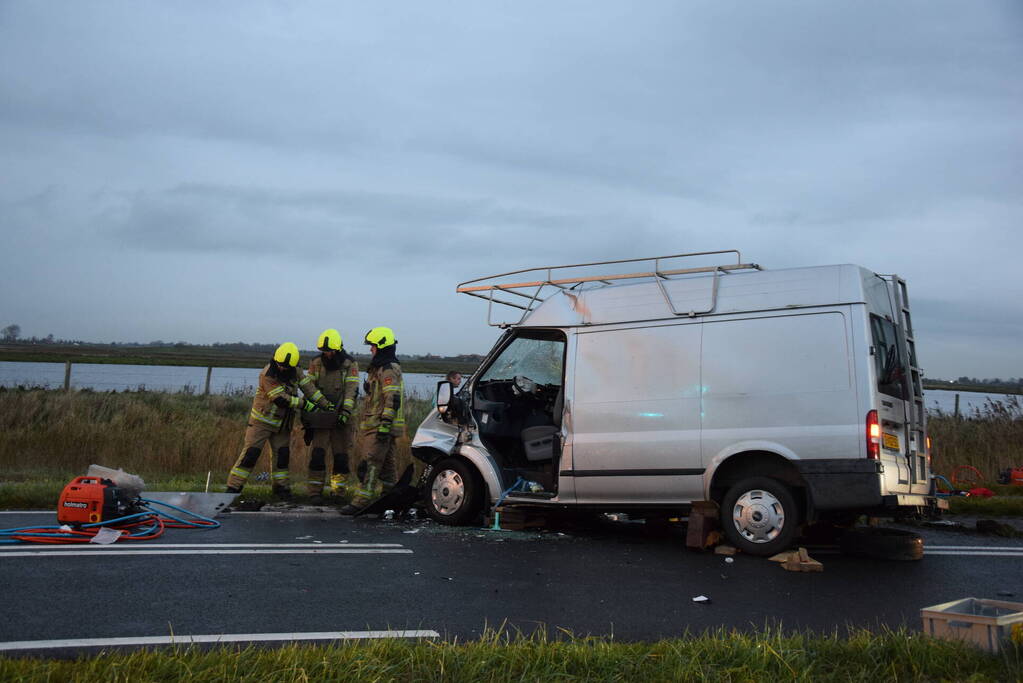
{"x":379,"y":456}
{"x":280,"y":446}
{"x":337,"y":442}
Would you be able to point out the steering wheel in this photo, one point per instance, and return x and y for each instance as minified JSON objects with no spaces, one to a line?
{"x":523,"y":385}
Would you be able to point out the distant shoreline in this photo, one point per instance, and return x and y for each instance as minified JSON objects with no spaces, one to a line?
{"x":970,"y":388}
{"x":190,"y":357}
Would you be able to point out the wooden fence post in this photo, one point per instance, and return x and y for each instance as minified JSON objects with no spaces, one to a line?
{"x":67,"y":375}
{"x":957,"y":406}
{"x":209,"y":372}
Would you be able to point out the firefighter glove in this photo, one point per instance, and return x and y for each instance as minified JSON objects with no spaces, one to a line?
{"x":282,"y":401}
{"x":309,"y":406}
{"x":343,"y":416}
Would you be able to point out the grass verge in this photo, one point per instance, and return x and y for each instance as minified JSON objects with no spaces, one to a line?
{"x":721,"y":656}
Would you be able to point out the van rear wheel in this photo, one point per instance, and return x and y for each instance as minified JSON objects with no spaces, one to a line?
{"x":453,"y":493}
{"x":759,"y":516}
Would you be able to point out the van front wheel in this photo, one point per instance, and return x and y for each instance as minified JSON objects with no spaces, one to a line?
{"x":453,"y":493}
{"x":759,"y":516}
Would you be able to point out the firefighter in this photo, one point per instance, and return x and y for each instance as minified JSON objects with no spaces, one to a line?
{"x":271,"y":418}
{"x":336,"y":377}
{"x":381,"y":419}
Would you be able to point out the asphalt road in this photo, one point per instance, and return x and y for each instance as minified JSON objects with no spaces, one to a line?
{"x":330,"y":574}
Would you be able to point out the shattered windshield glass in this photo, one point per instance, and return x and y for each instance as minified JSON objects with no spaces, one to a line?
{"x":540,"y":360}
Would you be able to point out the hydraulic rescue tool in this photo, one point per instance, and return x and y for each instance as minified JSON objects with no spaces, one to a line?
{"x":90,"y":505}
{"x":87,"y":500}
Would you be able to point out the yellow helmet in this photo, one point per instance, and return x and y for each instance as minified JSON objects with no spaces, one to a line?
{"x":287,"y":354}
{"x":381,"y":337}
{"x":330,"y":340}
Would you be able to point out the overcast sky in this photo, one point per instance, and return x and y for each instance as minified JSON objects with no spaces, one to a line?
{"x":260,"y":171}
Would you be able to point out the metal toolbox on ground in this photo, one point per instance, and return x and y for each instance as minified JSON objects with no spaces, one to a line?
{"x":987,"y":623}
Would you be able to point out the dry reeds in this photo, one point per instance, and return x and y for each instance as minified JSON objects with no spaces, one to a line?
{"x":166,"y":434}
{"x":988,"y":438}
{"x":147,"y":433}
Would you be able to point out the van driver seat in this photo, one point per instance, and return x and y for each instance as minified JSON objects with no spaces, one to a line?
{"x":539,"y":442}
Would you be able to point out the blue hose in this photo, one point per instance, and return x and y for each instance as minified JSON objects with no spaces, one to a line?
{"x":142,"y":532}
{"x":211,"y":523}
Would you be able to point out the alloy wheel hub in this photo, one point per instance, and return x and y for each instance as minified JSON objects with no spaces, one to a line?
{"x":758,"y":516}
{"x":447,"y":492}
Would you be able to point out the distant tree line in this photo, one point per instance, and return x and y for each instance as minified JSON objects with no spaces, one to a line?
{"x":12,"y":334}
{"x":1014,"y":384}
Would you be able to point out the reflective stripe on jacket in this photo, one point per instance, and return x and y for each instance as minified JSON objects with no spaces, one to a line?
{"x":264,"y":410}
{"x":340,"y":384}
{"x":385,"y":400}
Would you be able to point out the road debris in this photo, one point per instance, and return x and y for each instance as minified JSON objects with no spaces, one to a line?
{"x":701,"y":600}
{"x":797,"y":561}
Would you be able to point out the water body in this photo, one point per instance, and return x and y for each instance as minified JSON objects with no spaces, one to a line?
{"x":103,"y":377}
{"x":229,"y":380}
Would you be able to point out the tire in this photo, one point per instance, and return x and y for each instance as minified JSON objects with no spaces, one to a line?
{"x":453,"y":494}
{"x":883,"y":544}
{"x":759,"y":516}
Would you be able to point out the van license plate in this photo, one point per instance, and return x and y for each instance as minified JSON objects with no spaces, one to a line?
{"x":891,"y":441}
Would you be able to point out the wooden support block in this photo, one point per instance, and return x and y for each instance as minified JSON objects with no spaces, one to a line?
{"x":800,"y":561}
{"x":703,"y":522}
{"x":725,"y":550}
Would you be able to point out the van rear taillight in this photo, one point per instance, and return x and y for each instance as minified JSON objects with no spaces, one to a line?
{"x":873,"y":436}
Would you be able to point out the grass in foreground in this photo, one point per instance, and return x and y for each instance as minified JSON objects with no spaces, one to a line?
{"x":721,"y":656}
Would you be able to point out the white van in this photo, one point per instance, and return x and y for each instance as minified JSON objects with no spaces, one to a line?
{"x":785,"y":396}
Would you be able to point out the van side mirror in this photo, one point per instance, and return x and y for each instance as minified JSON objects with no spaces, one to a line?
{"x":443,"y":396}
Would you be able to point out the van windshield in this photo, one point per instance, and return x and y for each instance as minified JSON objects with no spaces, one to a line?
{"x":889,"y":366}
{"x":538,"y":359}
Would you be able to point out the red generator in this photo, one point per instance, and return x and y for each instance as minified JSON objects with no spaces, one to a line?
{"x":89,"y":500}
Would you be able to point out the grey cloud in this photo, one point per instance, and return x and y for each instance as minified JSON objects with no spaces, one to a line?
{"x":968,"y":320}
{"x":319,"y":225}
{"x":472,"y":138}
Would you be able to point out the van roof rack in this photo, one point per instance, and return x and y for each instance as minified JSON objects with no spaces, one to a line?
{"x":486,"y":287}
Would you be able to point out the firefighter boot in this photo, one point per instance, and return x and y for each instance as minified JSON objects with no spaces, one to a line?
{"x":339,"y":485}
{"x":363,"y":494}
{"x":281,"y":481}
{"x":317,"y":473}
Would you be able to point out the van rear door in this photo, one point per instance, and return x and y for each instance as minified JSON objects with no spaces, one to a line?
{"x":905,"y":464}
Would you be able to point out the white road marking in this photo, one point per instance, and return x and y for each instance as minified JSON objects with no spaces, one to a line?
{"x":972,"y":547}
{"x":112,"y":551}
{"x":212,"y":638}
{"x":208,"y":546}
{"x":1008,"y":552}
